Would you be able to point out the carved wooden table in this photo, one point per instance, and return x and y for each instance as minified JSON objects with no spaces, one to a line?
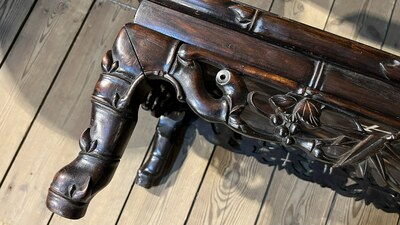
{"x":327,"y":104}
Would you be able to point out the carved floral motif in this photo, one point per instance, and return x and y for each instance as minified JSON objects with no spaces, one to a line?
{"x":291,"y":113}
{"x":305,"y":111}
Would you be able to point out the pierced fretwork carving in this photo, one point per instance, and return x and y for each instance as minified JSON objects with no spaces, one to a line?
{"x":342,"y":133}
{"x":297,"y":120}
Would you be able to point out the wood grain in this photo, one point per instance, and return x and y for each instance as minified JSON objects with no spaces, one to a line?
{"x":12,"y":17}
{"x":232,"y":190}
{"x":392,"y":40}
{"x":347,"y":210}
{"x":365,"y":21}
{"x":294,"y":201}
{"x":31,"y":66}
{"x":261,"y":4}
{"x":313,"y":13}
{"x":49,"y":146}
{"x":193,"y":30}
{"x":52,"y":141}
{"x":169,"y":203}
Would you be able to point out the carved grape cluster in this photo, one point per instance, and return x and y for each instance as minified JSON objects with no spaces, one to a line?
{"x":290,"y":114}
{"x":284,"y":127}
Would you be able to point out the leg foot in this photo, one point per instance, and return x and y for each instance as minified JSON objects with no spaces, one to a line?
{"x":102,"y":146}
{"x":168,"y":127}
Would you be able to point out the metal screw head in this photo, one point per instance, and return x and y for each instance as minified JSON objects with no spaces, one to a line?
{"x":223,"y":77}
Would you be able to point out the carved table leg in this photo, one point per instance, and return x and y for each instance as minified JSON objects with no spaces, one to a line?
{"x":268,"y":89}
{"x":133,"y":75}
{"x":102,"y":146}
{"x":115,"y":104}
{"x":162,"y":146}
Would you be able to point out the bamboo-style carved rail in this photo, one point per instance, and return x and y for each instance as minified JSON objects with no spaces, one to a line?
{"x":323,"y":103}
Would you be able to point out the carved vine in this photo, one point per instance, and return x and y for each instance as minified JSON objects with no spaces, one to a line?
{"x":296,"y":120}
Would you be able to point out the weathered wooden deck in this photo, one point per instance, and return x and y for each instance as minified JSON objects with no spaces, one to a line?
{"x":50,"y":52}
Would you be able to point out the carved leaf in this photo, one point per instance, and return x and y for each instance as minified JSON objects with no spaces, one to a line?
{"x":114,"y":66}
{"x":377,"y":165}
{"x":107,"y":61}
{"x":391,"y":70}
{"x":93,"y":146}
{"x":308,"y":111}
{"x":282,"y":101}
{"x":361,"y":169}
{"x":71,"y":190}
{"x":116,"y":99}
{"x":83,"y":192}
{"x":244,"y":15}
{"x":84,"y":141}
{"x":391,"y":151}
{"x":367,"y":147}
{"x":108,"y":64}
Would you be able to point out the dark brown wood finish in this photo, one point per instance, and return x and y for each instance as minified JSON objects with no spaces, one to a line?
{"x":290,"y":66}
{"x":227,"y":43}
{"x":272,"y":28}
{"x":331,"y":113}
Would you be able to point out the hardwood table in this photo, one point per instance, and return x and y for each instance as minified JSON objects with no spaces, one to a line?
{"x":260,"y":80}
